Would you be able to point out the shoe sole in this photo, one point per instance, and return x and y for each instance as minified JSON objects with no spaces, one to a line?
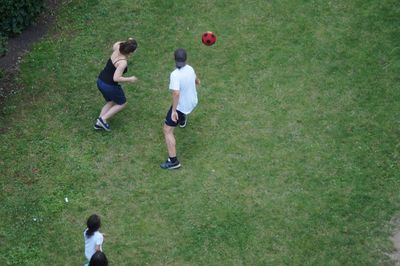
{"x":172,"y":167}
{"x":175,"y":167}
{"x":184,"y":125}
{"x":97,"y":127}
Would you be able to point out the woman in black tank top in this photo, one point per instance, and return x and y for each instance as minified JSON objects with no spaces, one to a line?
{"x":108,"y":82}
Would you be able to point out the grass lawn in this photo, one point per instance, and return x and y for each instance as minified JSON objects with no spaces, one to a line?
{"x":292,"y":156}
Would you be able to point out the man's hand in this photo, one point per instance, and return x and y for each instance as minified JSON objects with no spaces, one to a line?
{"x":174,"y":116}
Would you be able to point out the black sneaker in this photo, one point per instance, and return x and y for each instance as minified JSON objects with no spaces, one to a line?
{"x":170,"y":165}
{"x":183,"y":123}
{"x":100,"y":122}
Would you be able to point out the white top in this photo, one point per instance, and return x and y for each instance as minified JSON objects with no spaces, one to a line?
{"x":184,"y":80}
{"x":91,"y":242}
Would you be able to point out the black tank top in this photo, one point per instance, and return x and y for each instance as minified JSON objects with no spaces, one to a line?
{"x":107,"y":74}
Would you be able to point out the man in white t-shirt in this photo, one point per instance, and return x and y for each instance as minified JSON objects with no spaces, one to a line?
{"x":182,"y":84}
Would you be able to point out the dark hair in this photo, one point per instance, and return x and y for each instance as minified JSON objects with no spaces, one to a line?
{"x":127,"y":47}
{"x":93,"y":224}
{"x":98,"y":259}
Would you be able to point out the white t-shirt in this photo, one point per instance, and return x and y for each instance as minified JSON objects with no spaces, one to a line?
{"x":91,"y":242}
{"x":184,"y":80}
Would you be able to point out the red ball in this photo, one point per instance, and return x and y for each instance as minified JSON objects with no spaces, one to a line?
{"x":208,"y":38}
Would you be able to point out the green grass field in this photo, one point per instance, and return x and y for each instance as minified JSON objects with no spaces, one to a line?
{"x":292,"y":156}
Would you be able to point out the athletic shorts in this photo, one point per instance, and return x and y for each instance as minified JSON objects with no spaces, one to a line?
{"x":112,"y":93}
{"x":170,"y":122}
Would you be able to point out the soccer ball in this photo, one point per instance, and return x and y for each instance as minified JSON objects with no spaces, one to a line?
{"x":208,"y":38}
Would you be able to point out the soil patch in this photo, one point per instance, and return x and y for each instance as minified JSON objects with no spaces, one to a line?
{"x":20,"y":45}
{"x":395,"y":238}
{"x":395,"y":256}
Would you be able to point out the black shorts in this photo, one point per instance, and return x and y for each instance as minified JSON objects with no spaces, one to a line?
{"x":170,"y":122}
{"x":111,"y":92}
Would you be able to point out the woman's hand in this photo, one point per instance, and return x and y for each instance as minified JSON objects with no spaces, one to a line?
{"x":133,"y":79}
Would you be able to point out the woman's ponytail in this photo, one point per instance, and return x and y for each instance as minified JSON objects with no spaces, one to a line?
{"x":93,"y":224}
{"x":127,"y":47}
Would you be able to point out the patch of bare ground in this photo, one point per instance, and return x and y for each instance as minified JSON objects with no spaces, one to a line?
{"x":19,"y":46}
{"x":395,"y":238}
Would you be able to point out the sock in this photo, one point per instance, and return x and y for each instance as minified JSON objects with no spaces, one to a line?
{"x":173,"y":159}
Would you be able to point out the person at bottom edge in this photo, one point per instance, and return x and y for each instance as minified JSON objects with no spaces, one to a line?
{"x":182,"y":84}
{"x":92,"y":236}
{"x":98,"y":259}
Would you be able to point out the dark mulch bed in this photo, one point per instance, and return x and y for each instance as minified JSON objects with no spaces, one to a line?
{"x":20,"y":45}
